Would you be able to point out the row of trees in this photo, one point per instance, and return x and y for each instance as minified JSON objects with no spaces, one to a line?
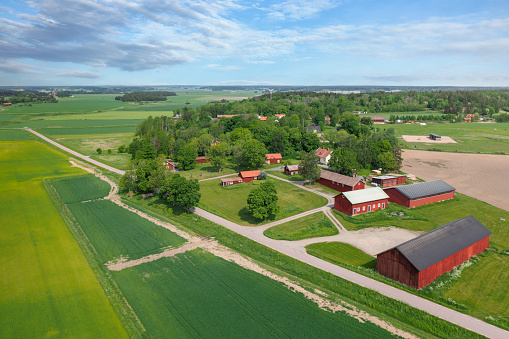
{"x":145,"y":96}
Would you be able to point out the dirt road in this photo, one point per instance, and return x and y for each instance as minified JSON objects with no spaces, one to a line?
{"x":481,"y":176}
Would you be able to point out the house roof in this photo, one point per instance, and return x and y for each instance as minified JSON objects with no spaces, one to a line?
{"x":323,"y":152}
{"x":424,"y":189}
{"x":292,"y":167}
{"x":336,"y":177}
{"x":365,"y":195}
{"x":442,"y":242}
{"x":249,"y":174}
{"x":202,"y":158}
{"x":231,"y":179}
{"x":314,"y":128}
{"x":273,"y":156}
{"x":263,"y":118}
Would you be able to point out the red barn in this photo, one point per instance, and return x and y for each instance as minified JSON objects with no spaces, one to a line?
{"x":419,"y":261}
{"x":273,"y":158}
{"x":420,"y":193}
{"x":231,"y":181}
{"x":362,"y":201}
{"x":202,"y":159}
{"x":248,"y":176}
{"x":291,"y":169}
{"x":389,"y":180}
{"x":340,"y":182}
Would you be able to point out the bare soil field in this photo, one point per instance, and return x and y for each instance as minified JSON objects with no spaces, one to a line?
{"x":481,"y":176}
{"x":423,"y":138}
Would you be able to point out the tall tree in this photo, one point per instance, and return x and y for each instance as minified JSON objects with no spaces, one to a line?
{"x":218,"y":154}
{"x":309,"y":166}
{"x":262,"y":201}
{"x":181,"y":192}
{"x":343,"y":160}
{"x":187,"y":157}
{"x":253,"y":154}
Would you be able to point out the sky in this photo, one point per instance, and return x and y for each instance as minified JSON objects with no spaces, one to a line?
{"x":229,"y":42}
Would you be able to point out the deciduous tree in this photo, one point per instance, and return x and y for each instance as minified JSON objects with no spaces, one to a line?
{"x":262,"y":201}
{"x":181,"y":192}
{"x":309,"y":166}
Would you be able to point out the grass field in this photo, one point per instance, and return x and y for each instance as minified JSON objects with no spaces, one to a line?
{"x":80,"y":188}
{"x":15,"y":134}
{"x":338,"y":252}
{"x":47,"y":287}
{"x":470,"y":137}
{"x":230,"y":202}
{"x":310,"y":226}
{"x":198,"y":295}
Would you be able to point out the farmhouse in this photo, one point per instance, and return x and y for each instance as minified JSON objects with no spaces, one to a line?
{"x":279,"y":116}
{"x":231,"y":181}
{"x":389,"y":180}
{"x":202,"y":159}
{"x":419,"y":261}
{"x":273,"y":158}
{"x":291,"y":169}
{"x":420,"y":193}
{"x":339,"y":182}
{"x":263,"y":118}
{"x":324,"y":154}
{"x":362,"y":201}
{"x":248,"y":176}
{"x":377,"y":119}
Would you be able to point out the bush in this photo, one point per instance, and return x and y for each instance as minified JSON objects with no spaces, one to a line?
{"x":99,"y":151}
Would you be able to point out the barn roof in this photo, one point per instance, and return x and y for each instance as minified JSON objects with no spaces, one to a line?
{"x":340,"y":178}
{"x":440,"y":243}
{"x":424,"y":189}
{"x":292,"y":167}
{"x":365,"y":195}
{"x":249,"y":174}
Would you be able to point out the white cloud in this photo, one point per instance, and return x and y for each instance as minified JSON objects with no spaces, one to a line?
{"x":300,"y":9}
{"x":79,"y":74}
{"x":13,"y":67}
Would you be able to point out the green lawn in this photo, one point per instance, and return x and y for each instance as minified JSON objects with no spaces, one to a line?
{"x":207,"y":170}
{"x":47,"y":287}
{"x":310,"y":226}
{"x":281,"y":174}
{"x":196,"y":294}
{"x":470,"y":137}
{"x":230,"y":202}
{"x":341,"y":253}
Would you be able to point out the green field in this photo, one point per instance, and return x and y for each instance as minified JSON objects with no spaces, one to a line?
{"x":80,"y":188}
{"x":230,"y":202}
{"x":341,"y":253}
{"x":48,"y":288}
{"x":15,"y":134}
{"x":310,"y":226}
{"x":199,"y":295}
{"x":470,"y":137}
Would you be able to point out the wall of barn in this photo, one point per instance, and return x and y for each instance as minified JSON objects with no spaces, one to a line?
{"x":396,"y":197}
{"x":343,"y":204}
{"x":429,"y":274}
{"x":341,"y":187}
{"x":395,"y":266}
{"x":431,"y":199}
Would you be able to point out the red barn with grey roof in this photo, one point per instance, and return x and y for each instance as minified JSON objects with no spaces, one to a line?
{"x":340,"y":182}
{"x":417,"y":262}
{"x":420,"y":193}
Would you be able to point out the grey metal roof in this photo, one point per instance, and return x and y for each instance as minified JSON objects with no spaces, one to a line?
{"x":424,"y":189}
{"x":442,"y":242}
{"x":315,"y":128}
{"x":365,"y":195}
{"x":381,"y":177}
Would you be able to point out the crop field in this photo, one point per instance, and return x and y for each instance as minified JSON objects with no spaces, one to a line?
{"x":470,"y":137}
{"x":230,"y":202}
{"x":310,"y":226}
{"x":338,"y":252}
{"x":47,"y":287}
{"x":199,"y":295}
{"x":15,"y":134}
{"x":80,"y":188}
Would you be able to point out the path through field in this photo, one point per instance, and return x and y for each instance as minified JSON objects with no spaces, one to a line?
{"x":481,"y":176}
{"x":297,"y":251}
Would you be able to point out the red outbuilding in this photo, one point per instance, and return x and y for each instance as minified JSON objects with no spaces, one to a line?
{"x":339,"y":182}
{"x":273,"y":158}
{"x":291,"y":169}
{"x":231,"y":181}
{"x":202,"y":159}
{"x":419,"y":261}
{"x":389,"y":180}
{"x":171,"y":165}
{"x":248,"y":176}
{"x":420,"y":193}
{"x":362,"y":201}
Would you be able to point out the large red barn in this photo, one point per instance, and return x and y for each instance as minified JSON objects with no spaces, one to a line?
{"x":389,"y":180}
{"x":362,"y":201}
{"x":420,"y":193}
{"x":339,"y":182}
{"x":417,"y":262}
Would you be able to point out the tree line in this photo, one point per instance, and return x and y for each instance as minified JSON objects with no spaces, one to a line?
{"x":145,"y":96}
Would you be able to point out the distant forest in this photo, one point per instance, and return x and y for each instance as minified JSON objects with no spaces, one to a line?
{"x":17,"y":97}
{"x":145,"y":96}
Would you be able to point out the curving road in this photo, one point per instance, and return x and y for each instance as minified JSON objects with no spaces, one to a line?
{"x":297,"y":251}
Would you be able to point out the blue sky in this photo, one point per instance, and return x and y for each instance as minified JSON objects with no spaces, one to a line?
{"x":229,"y":42}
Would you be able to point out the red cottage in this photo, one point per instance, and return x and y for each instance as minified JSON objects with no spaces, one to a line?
{"x":248,"y":176}
{"x":389,"y":180}
{"x":171,"y":165}
{"x":231,"y":181}
{"x":420,"y":193}
{"x":202,"y":159}
{"x":419,"y":261}
{"x":362,"y":201}
{"x":340,"y":182}
{"x":273,"y":158}
{"x":291,"y":169}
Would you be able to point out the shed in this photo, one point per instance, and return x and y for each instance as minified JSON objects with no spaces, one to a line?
{"x":248,"y":176}
{"x":231,"y":181}
{"x":420,"y":193}
{"x":389,"y":180}
{"x":273,"y":158}
{"x":419,"y":261}
{"x":291,"y":169}
{"x":361,"y":201}
{"x":340,"y":182}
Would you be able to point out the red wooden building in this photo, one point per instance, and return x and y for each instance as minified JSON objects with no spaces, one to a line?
{"x":231,"y":181}
{"x":248,"y":176}
{"x":273,"y":158}
{"x":291,"y":169}
{"x":420,"y":193}
{"x":389,"y":180}
{"x":419,"y":261}
{"x":340,"y":182}
{"x":171,"y":165}
{"x":361,"y":201}
{"x":202,"y":159}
